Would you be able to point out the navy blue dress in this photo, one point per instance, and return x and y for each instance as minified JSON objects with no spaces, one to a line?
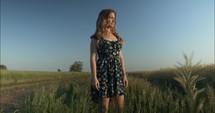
{"x":109,"y":70}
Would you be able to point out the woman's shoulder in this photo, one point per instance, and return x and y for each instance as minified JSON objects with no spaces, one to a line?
{"x":93,"y":37}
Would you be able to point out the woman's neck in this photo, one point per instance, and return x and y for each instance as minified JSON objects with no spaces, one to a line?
{"x":108,"y":31}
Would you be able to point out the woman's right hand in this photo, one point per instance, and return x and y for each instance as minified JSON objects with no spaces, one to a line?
{"x":95,"y":83}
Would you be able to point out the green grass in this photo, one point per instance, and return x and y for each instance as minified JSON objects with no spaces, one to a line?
{"x":164,"y":78}
{"x":141,"y":97}
{"x":148,"y":92}
{"x":8,"y":77}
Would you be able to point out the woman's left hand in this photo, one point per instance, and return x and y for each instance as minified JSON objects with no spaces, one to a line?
{"x":125,"y":81}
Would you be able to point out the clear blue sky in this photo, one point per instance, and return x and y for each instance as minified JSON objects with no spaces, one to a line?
{"x":46,"y":35}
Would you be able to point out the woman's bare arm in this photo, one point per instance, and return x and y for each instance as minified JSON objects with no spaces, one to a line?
{"x":93,"y":54}
{"x":122,"y":62}
{"x":125,"y":80}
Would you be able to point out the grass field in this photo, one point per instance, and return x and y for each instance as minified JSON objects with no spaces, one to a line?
{"x":183,"y":89}
{"x":148,"y":92}
{"x":21,"y":77}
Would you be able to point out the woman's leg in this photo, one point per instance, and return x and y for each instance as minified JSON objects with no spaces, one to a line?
{"x":118,"y":103}
{"x":120,"y":100}
{"x":103,"y":105}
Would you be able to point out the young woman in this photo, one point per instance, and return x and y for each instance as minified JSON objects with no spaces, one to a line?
{"x":109,"y":79}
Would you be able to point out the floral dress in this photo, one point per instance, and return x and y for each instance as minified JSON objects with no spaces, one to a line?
{"x":109,"y":70}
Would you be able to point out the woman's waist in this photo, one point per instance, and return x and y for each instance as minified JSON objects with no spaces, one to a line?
{"x":110,"y":56}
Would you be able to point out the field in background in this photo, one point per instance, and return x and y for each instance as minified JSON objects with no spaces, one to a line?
{"x":21,"y":77}
{"x":164,"y":78}
{"x":148,"y":92}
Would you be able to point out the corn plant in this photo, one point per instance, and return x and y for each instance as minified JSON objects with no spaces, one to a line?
{"x":188,"y":81}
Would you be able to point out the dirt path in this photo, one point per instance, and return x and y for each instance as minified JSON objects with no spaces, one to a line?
{"x":13,"y":96}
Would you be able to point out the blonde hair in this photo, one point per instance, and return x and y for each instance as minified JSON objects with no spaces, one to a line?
{"x":101,"y":25}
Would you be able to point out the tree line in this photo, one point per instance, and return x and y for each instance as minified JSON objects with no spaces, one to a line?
{"x":77,"y":66}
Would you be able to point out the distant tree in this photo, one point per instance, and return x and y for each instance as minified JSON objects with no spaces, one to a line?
{"x":58,"y":70}
{"x":3,"y":67}
{"x":77,"y":66}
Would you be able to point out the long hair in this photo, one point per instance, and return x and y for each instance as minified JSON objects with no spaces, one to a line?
{"x":101,"y":25}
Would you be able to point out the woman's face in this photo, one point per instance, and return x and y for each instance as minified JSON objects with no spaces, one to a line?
{"x":111,"y":20}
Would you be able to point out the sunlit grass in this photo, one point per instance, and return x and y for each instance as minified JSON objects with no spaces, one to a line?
{"x":9,"y":77}
{"x":141,"y":97}
{"x":184,"y":89}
